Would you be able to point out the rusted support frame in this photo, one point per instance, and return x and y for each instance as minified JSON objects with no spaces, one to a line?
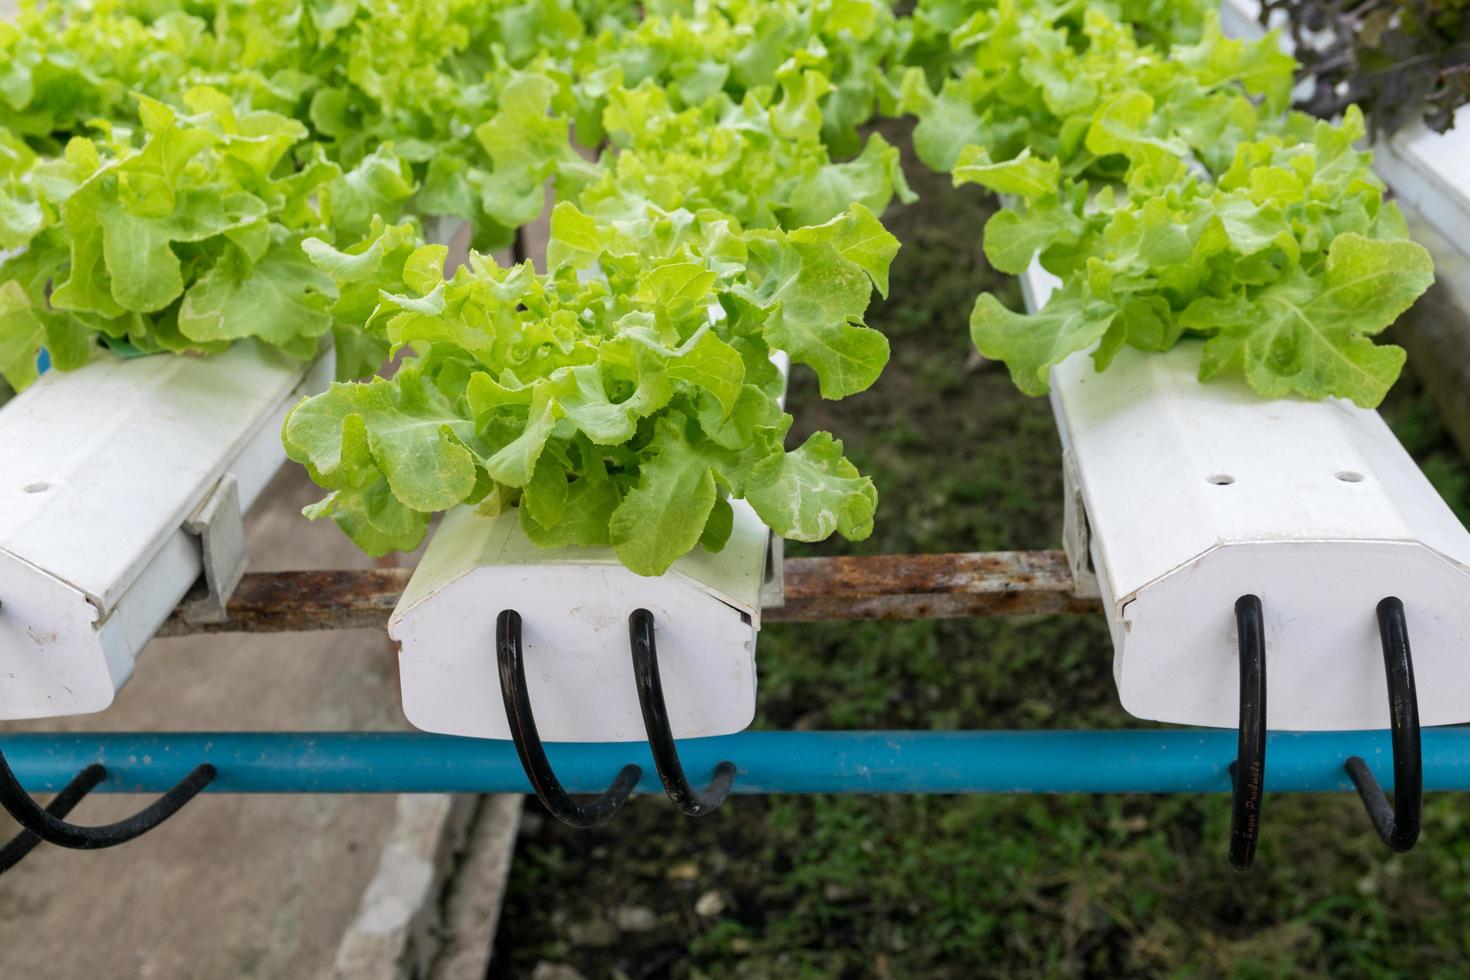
{"x":1002,"y":583}
{"x":289,"y":602}
{"x":948,"y":586}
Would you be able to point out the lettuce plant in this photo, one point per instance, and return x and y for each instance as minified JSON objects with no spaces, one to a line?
{"x":180,"y":175}
{"x":623,"y":397}
{"x":1175,"y":196}
{"x":184,"y":235}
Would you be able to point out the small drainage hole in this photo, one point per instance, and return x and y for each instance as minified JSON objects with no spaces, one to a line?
{"x":1349,"y":476}
{"x":1221,"y":479}
{"x":36,"y":487}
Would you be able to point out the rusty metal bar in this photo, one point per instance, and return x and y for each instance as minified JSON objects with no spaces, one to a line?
{"x":951,"y":586}
{"x":289,"y":602}
{"x":1001,"y":583}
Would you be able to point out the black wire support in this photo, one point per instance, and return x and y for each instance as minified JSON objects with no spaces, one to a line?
{"x":1248,"y":771}
{"x":532,"y":752}
{"x":689,"y":801}
{"x":63,"y":803}
{"x":1397,"y":824}
{"x":48,"y":823}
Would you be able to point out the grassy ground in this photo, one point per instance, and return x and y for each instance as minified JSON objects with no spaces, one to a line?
{"x":966,"y":887}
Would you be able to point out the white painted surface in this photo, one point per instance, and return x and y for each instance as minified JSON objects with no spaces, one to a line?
{"x":574,"y":604}
{"x":1196,"y":494}
{"x":99,"y":469}
{"x":1239,"y":18}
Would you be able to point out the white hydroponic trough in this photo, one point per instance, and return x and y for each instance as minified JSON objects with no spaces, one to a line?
{"x":1193,"y":494}
{"x":574,"y":605}
{"x":101,"y":470}
{"x":122,"y":486}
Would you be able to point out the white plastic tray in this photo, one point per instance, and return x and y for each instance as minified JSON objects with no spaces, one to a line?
{"x":99,"y":470}
{"x":574,"y":605}
{"x":1195,"y":494}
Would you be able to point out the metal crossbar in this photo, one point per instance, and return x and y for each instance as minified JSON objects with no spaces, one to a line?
{"x":946,"y":586}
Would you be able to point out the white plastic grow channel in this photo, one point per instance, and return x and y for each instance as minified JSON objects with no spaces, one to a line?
{"x":1195,"y":494}
{"x":1428,"y":171}
{"x":574,"y":605}
{"x":122,"y":485}
{"x":101,"y":469}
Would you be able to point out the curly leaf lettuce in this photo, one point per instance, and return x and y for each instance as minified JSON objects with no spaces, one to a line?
{"x":1173,"y":194}
{"x":621,"y":398}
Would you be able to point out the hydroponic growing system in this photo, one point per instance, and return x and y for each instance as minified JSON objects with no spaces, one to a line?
{"x":199,"y":240}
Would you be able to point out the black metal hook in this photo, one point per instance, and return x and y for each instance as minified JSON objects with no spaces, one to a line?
{"x":50,"y":827}
{"x":24,"y":842}
{"x":1397,"y":825}
{"x":689,"y":800}
{"x":1248,"y":771}
{"x":528,"y":742}
{"x":46,"y":823}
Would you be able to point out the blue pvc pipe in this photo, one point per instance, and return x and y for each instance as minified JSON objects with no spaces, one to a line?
{"x":1161,"y":761}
